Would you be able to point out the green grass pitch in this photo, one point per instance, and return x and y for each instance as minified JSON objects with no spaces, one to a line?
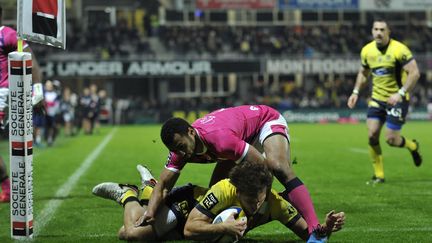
{"x":333,"y":162}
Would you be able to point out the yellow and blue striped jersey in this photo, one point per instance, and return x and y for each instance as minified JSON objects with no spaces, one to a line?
{"x":386,"y":65}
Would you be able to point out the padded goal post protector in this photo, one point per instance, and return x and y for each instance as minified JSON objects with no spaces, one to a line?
{"x":21,"y":144}
{"x":42,"y":21}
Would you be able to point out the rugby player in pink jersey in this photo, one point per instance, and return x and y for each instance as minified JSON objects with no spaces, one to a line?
{"x":228,"y":136}
{"x":8,"y":44}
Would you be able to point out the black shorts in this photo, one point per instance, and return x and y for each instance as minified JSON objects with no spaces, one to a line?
{"x":181,"y":201}
{"x":393,"y":115}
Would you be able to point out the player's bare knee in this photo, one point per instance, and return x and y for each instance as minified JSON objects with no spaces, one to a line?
{"x":275,"y":165}
{"x":391,"y":141}
{"x":282,"y":172}
{"x":122,"y":233}
{"x":129,"y":235}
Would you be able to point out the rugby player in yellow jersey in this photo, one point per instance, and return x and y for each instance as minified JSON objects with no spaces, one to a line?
{"x":249,"y":187}
{"x":394,"y":74}
{"x":197,"y":206}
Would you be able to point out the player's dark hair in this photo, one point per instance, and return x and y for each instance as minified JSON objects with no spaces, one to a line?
{"x":172,"y":126}
{"x":381,"y":19}
{"x":250,"y":178}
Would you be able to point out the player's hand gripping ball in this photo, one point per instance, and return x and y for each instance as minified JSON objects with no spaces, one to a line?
{"x":239,"y":215}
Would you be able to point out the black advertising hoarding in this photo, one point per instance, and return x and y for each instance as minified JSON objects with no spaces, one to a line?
{"x":145,"y":68}
{"x":339,"y":65}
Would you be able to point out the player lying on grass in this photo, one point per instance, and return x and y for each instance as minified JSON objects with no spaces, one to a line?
{"x":189,"y":211}
{"x":228,"y":136}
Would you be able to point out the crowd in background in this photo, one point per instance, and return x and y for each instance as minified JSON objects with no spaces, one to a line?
{"x":69,"y":112}
{"x":309,"y":95}
{"x":103,"y":41}
{"x":84,"y":110}
{"x":123,"y":40}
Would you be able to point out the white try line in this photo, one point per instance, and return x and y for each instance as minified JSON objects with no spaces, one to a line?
{"x":350,"y":229}
{"x":51,"y":207}
{"x":359,"y":150}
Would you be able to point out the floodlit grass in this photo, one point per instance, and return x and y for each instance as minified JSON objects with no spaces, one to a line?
{"x":332,"y":161}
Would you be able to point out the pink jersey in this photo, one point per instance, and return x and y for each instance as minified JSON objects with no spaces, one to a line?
{"x":226,"y":134}
{"x":8,"y":44}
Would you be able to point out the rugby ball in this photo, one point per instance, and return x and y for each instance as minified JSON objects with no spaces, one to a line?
{"x":222,"y":217}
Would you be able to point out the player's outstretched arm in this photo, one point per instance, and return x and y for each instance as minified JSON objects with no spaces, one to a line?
{"x":333,"y":222}
{"x":165,"y":184}
{"x":199,"y":227}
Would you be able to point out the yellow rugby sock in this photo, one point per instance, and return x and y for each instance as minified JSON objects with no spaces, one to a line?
{"x":145,"y":195}
{"x":409,"y":144}
{"x":130,"y":195}
{"x":377,"y":160}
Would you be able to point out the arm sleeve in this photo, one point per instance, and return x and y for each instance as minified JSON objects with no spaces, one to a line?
{"x":363,"y":58}
{"x":175,"y":162}
{"x":282,"y":210}
{"x":216,"y":200}
{"x":404,"y":55}
{"x":11,"y":41}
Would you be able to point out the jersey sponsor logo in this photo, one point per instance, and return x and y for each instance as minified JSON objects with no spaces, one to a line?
{"x":253,"y":108}
{"x":382,"y":71}
{"x":207,"y":120}
{"x":183,"y":207}
{"x":210,"y":201}
{"x":291,"y":209}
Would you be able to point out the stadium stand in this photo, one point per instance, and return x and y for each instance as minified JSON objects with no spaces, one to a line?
{"x":147,"y":34}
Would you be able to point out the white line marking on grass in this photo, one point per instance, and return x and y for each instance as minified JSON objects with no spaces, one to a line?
{"x":51,"y":207}
{"x":253,"y":234}
{"x":386,"y":230}
{"x":359,"y":150}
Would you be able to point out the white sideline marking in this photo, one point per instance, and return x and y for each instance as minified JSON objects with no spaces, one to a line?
{"x":359,"y":150}
{"x":51,"y":207}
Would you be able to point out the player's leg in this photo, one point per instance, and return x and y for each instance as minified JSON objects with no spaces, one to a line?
{"x":170,"y":220}
{"x":277,"y":151}
{"x":5,"y":183}
{"x":274,"y":139}
{"x":166,"y":220}
{"x":374,"y":130}
{"x":4,"y":178}
{"x":221,"y":171}
{"x":132,"y":212}
{"x":127,"y":196}
{"x":395,"y":120}
{"x":50,"y":129}
{"x":38,"y":125}
{"x":164,"y":227}
{"x":376,"y":116}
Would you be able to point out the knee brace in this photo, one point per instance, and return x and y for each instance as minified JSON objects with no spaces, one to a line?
{"x":373,"y":141}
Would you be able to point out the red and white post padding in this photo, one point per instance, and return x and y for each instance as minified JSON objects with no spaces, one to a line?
{"x":21,"y":144}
